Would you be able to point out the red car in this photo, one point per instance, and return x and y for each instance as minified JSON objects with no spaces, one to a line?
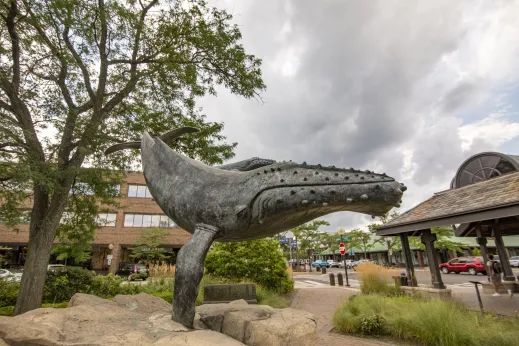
{"x":471,"y":265}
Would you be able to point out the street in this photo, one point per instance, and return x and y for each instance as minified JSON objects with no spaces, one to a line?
{"x":422,"y":275}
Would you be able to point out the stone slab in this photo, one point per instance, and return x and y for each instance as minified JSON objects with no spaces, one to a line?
{"x":219,"y":294}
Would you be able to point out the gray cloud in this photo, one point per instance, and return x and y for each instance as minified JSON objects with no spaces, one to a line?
{"x":354,"y":84}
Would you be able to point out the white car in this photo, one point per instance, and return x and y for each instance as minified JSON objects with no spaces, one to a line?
{"x":9,"y":276}
{"x":348,"y":264}
{"x":514,"y":261}
{"x":334,"y":264}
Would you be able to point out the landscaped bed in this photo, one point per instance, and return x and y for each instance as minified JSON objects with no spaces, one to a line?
{"x":424,"y":321}
{"x":62,"y":285}
{"x":383,"y":310}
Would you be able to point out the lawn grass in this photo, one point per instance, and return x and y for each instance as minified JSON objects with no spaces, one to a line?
{"x":424,"y":321}
{"x":8,"y":310}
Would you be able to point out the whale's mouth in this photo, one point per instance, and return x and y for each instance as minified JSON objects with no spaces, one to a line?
{"x":279,"y":208}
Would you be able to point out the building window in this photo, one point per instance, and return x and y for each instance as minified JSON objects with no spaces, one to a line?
{"x":147,"y":220}
{"x":140,"y":191}
{"x":106,"y":220}
{"x":85,"y":189}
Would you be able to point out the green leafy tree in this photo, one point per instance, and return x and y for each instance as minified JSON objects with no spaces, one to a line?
{"x":79,"y":223}
{"x":260,"y":261}
{"x":308,"y":235}
{"x":77,"y":76}
{"x":148,"y":244}
{"x":361,"y":240}
{"x":443,"y":241}
{"x":394,"y":244}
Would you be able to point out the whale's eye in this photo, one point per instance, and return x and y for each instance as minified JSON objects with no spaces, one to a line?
{"x":241,"y":212}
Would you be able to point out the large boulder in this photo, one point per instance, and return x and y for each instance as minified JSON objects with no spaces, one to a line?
{"x":88,"y":299}
{"x":94,"y":321}
{"x":143,"y":303}
{"x":146,"y":320}
{"x":260,"y":325}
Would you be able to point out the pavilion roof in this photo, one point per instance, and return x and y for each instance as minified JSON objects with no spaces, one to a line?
{"x":486,"y":200}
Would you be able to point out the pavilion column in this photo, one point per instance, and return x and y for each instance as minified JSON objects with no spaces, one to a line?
{"x":482,"y":241}
{"x":503,"y":256}
{"x":406,"y":250}
{"x":428,"y":238}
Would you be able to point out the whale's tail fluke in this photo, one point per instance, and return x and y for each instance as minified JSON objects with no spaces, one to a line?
{"x":167,"y":137}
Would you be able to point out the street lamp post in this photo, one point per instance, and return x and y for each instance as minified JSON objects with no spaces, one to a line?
{"x":341,"y":232}
{"x":109,"y":257}
{"x":298,"y":265}
{"x":389,"y":254}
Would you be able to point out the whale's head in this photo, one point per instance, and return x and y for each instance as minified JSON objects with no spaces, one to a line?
{"x":290,"y":194}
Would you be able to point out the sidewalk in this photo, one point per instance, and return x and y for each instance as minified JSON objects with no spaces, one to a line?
{"x":322,"y":302}
{"x":503,"y":305}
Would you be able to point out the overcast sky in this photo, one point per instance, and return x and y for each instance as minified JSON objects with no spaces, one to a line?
{"x":410,"y":88}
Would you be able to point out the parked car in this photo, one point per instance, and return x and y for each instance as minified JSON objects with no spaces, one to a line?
{"x":133,"y":271}
{"x":321,"y":263}
{"x":348,"y":264}
{"x":334,"y":264}
{"x":10,"y":276}
{"x":514,"y":261}
{"x":471,"y":265}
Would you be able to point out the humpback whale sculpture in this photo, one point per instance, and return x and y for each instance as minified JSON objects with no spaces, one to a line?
{"x":247,"y":200}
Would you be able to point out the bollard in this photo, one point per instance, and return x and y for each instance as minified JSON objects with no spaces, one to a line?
{"x":339,"y":280}
{"x":332,"y":279}
{"x":323,"y":269}
{"x":318,"y":269}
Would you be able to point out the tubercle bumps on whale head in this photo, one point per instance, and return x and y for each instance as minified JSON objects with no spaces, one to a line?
{"x":294,"y":174}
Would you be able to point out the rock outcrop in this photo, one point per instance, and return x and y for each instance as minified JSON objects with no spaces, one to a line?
{"x":146,"y":320}
{"x":260,"y":324}
{"x":90,"y":320}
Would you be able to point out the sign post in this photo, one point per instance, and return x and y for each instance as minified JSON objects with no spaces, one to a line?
{"x":342,"y":249}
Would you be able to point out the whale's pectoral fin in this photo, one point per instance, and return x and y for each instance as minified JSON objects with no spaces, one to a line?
{"x":189,"y":270}
{"x":168,"y":137}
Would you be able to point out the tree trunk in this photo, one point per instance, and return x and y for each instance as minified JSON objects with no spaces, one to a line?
{"x":35,"y":270}
{"x":45,"y":219}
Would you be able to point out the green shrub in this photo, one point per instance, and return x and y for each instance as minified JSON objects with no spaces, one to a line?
{"x":61,"y":284}
{"x":271,"y":298}
{"x":371,"y":325}
{"x":8,"y":292}
{"x":260,"y":261}
{"x":106,"y":286}
{"x":425,"y":321}
{"x":167,"y":296}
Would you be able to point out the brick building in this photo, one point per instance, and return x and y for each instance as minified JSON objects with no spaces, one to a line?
{"x":122,"y":227}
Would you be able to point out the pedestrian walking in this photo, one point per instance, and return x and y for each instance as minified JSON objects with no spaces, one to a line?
{"x":495,"y":272}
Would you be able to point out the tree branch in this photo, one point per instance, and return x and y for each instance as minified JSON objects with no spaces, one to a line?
{"x":79,"y":61}
{"x":15,"y":44}
{"x":11,"y":89}
{"x":103,"y":55}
